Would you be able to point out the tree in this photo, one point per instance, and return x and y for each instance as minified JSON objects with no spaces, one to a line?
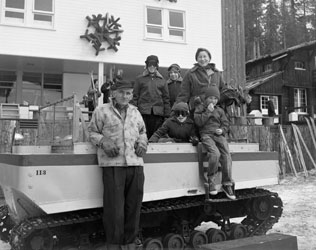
{"x":253,"y":28}
{"x":271,"y":28}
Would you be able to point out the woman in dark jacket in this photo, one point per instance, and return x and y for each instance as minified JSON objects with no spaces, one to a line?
{"x":199,"y":78}
{"x":178,"y":128}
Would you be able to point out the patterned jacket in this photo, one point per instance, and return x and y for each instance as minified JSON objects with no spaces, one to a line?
{"x":107,"y":124}
{"x":151,"y":94}
{"x":196,"y":80}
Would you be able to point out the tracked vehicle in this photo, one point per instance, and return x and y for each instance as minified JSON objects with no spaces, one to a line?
{"x":54,"y":200}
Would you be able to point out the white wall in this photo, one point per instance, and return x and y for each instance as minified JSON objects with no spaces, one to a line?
{"x":203,"y":29}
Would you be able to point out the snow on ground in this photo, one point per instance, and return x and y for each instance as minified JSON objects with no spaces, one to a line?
{"x":299,"y":210}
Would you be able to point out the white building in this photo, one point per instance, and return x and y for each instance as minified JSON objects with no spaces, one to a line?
{"x":43,"y":58}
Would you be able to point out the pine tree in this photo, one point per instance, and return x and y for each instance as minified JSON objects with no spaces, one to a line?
{"x":253,"y":28}
{"x":271,"y":24}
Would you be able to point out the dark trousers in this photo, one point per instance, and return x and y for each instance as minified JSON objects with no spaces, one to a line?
{"x":122,"y":200}
{"x":90,"y":108}
{"x":218,"y":152}
{"x":152,"y":123}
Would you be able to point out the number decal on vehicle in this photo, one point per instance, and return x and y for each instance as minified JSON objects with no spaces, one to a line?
{"x":40,"y":172}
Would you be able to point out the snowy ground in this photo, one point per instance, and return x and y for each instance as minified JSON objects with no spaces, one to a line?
{"x":299,"y":210}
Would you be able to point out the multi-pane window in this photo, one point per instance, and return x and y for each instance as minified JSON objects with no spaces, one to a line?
{"x":34,"y":13}
{"x":300,"y":100}
{"x":165,"y":24}
{"x":299,"y":65}
{"x":52,"y":89}
{"x":264,"y":103}
{"x":41,"y":89}
{"x":7,"y":87}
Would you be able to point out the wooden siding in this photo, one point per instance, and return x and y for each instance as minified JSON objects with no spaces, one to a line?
{"x":233,"y":42}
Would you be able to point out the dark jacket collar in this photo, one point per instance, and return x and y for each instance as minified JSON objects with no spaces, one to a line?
{"x":180,"y":79}
{"x":156,"y":74}
{"x":210,"y":66}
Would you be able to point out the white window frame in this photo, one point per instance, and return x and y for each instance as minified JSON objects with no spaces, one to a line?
{"x":297,"y":100}
{"x":29,"y":12}
{"x":264,"y":110}
{"x":275,"y":100}
{"x":299,"y":65}
{"x":165,"y":26}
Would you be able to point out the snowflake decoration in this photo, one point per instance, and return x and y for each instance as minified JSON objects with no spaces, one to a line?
{"x":106,"y":29}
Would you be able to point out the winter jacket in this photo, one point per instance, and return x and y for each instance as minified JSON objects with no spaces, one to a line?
{"x":108,"y":126}
{"x":174,"y":88}
{"x":196,"y":80}
{"x":172,"y":128}
{"x":208,"y":121}
{"x":151,"y":94}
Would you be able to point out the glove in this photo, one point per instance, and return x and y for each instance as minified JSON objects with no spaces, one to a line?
{"x":210,"y":107}
{"x":194,"y":140}
{"x":110,"y":148}
{"x":140,"y":149}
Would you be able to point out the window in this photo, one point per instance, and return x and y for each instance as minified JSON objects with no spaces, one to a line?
{"x":300,"y":100}
{"x":7,"y":87}
{"x":267,"y":67}
{"x":36,"y":93}
{"x":14,"y":11}
{"x":34,"y":13}
{"x":164,"y":24}
{"x":264,"y":104}
{"x":299,"y":65}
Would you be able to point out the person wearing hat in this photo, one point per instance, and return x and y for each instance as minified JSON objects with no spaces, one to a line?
{"x":213,"y":125}
{"x":119,"y":133}
{"x":174,"y":82}
{"x":199,"y":78}
{"x":151,"y":95}
{"x":177,"y":128}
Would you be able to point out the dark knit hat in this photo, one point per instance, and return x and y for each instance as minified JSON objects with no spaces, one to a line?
{"x":200,"y":50}
{"x":180,"y":106}
{"x":175,"y":67}
{"x":121,"y":84}
{"x":212,"y":91}
{"x":152,"y":58}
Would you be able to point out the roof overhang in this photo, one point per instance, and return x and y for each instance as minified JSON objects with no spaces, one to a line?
{"x":254,"y":83}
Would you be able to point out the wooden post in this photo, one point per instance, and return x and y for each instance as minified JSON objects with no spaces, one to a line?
{"x":101,"y":80}
{"x":300,"y":152}
{"x":306,"y":148}
{"x":287,"y":149}
{"x":75,"y":121}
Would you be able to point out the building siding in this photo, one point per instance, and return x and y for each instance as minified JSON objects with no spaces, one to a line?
{"x":203,"y":29}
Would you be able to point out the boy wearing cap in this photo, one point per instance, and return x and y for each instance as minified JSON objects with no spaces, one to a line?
{"x":213,"y":125}
{"x":151,"y":96}
{"x":174,"y":82}
{"x":118,"y":131}
{"x":178,"y":128}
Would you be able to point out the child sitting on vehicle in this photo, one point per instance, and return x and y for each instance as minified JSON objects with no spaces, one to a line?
{"x":177,"y":128}
{"x":213,"y":125}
